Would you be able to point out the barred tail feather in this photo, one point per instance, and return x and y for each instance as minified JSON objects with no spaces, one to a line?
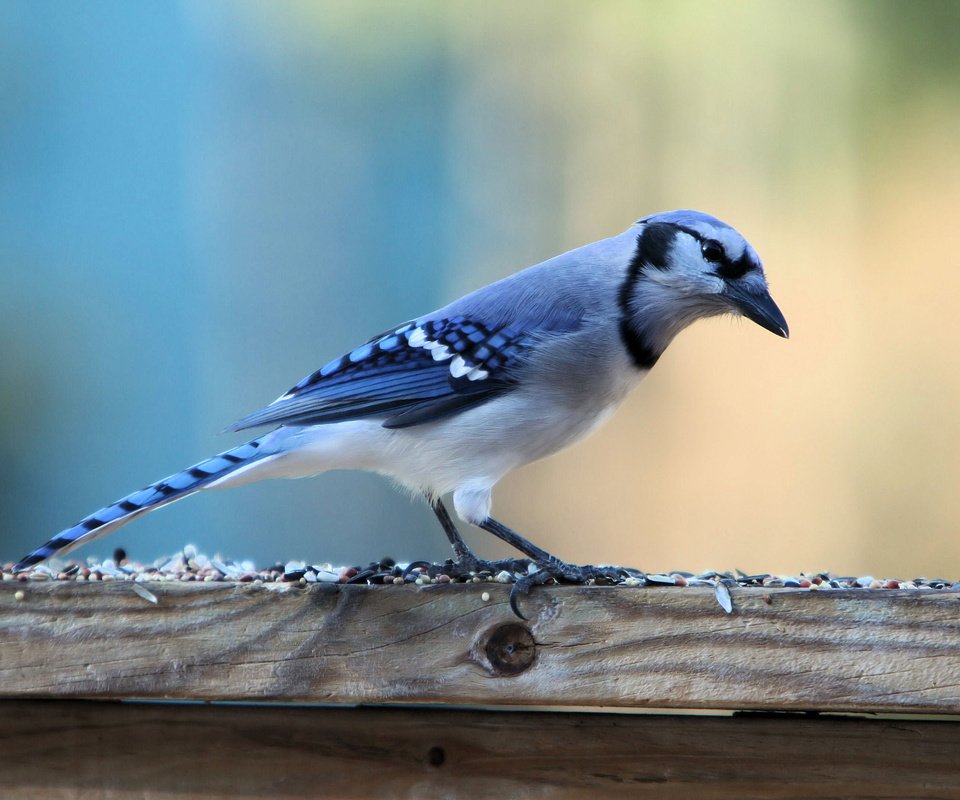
{"x":177,"y":486}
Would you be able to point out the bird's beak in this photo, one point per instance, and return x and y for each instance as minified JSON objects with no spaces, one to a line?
{"x":759,"y":307}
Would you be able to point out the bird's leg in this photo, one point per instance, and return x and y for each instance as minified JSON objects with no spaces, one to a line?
{"x":540,"y":557}
{"x":550,"y":566}
{"x":466,"y":560}
{"x":460,"y":548}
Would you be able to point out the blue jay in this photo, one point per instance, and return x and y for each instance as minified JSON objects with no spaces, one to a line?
{"x":452,"y":401}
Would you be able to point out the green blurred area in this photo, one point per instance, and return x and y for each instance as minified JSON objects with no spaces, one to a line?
{"x":201,"y":202}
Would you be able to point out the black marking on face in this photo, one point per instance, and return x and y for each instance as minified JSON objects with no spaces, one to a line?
{"x":653,"y":245}
{"x":727,"y":268}
{"x":734,"y":270}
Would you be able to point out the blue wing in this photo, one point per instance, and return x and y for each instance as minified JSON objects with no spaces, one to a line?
{"x":417,"y":373}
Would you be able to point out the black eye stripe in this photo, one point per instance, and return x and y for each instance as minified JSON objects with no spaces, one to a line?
{"x":734,"y":270}
{"x":727,"y":268}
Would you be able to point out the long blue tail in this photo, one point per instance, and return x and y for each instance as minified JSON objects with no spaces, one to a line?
{"x":175,"y":487}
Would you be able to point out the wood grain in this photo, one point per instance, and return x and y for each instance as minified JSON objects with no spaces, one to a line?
{"x":79,"y":750}
{"x":858,"y":650}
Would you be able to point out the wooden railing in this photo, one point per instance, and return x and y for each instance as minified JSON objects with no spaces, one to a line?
{"x":605,"y":650}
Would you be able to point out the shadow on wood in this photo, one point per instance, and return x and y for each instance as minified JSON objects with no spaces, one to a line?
{"x":80,"y":750}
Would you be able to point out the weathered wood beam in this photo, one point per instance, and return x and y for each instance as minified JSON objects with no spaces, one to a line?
{"x":79,"y":750}
{"x":857,"y":650}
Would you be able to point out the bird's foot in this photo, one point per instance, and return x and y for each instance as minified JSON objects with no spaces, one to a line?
{"x":478,"y":566}
{"x":469,"y":566}
{"x":561,"y":571}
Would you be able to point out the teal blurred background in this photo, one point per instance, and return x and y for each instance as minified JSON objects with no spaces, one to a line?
{"x":202,"y":202}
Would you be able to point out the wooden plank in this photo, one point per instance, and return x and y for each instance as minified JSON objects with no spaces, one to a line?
{"x":83,"y":750}
{"x":858,"y":650}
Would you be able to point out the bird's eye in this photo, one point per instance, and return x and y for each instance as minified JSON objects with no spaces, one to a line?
{"x":712,"y":251}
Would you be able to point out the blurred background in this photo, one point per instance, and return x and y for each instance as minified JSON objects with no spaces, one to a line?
{"x":201,"y":202}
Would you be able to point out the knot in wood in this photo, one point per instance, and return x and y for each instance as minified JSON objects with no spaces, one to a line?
{"x":510,"y":649}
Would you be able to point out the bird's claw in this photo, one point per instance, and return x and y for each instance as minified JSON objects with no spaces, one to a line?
{"x":568,"y":573}
{"x":523,"y":585}
{"x":414,"y":565}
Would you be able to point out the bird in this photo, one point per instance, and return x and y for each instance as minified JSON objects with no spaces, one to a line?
{"x":450,"y":402}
